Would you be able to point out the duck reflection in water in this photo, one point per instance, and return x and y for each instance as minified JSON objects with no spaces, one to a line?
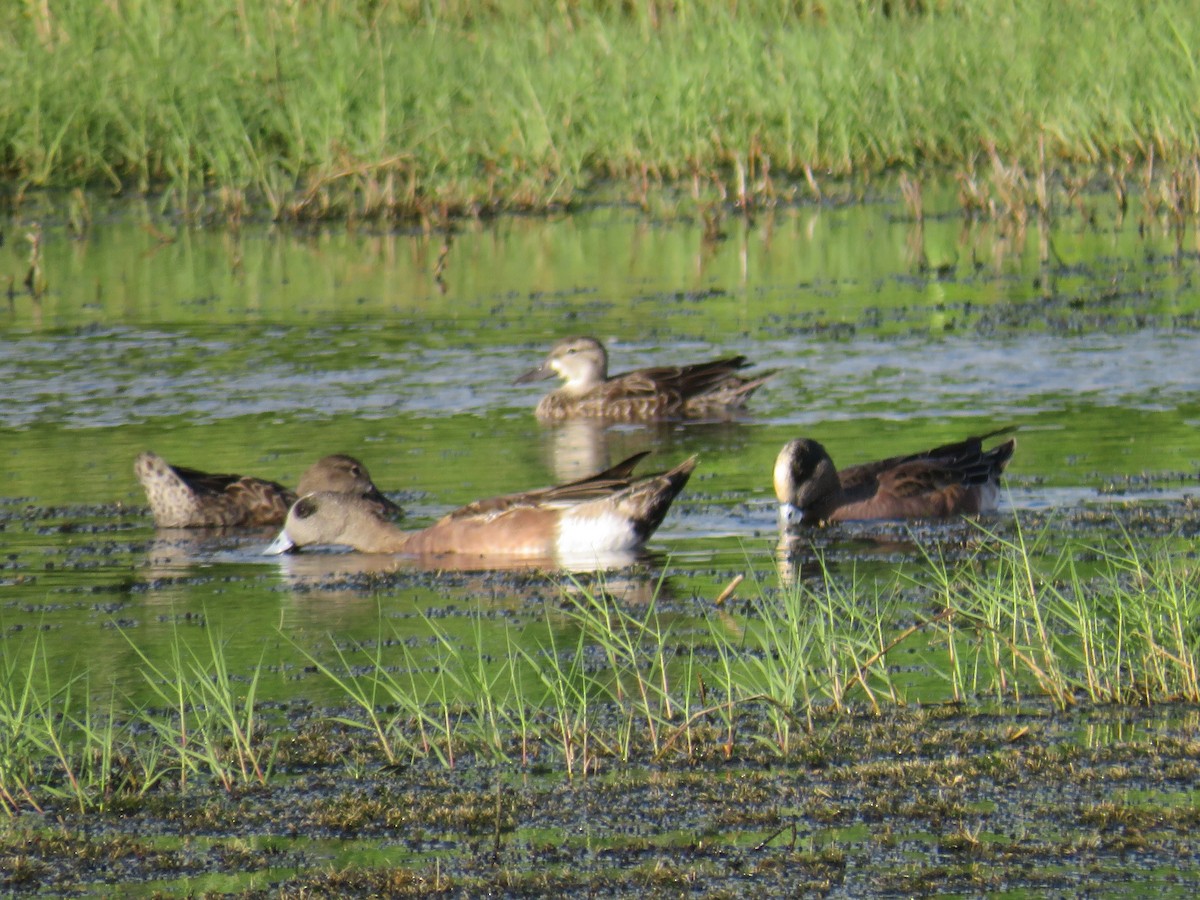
{"x":802,"y":556}
{"x":577,"y":447}
{"x":321,"y":577}
{"x":574,"y":448}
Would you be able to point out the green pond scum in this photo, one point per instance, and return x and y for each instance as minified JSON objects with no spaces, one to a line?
{"x":1028,"y":801}
{"x":1007,"y":704}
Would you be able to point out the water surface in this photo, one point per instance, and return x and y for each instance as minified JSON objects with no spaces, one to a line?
{"x":258,"y":350}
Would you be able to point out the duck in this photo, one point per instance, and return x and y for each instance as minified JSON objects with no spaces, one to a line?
{"x":690,"y":391}
{"x":959,"y":479}
{"x":610,"y":512}
{"x":181,"y":497}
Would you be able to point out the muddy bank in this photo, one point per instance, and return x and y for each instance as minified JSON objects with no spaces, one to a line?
{"x":915,"y":801}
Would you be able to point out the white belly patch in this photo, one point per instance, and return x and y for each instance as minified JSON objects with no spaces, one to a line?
{"x":603,"y":533}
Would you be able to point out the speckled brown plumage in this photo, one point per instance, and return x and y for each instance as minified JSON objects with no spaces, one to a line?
{"x":691,"y":391}
{"x":181,"y":497}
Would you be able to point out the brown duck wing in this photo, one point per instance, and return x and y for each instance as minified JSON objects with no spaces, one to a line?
{"x":636,"y":395}
{"x":599,"y":485}
{"x":967,"y":461}
{"x":381,"y":504}
{"x":237,"y":500}
{"x":966,"y":449}
{"x":919,"y":478}
{"x":962,"y":453}
{"x":647,"y":383}
{"x":686,"y":381}
{"x":989,"y":465}
{"x":261,"y":502}
{"x":210,"y":482}
{"x":918,"y":489}
{"x":931,"y":483}
{"x":940,"y":487}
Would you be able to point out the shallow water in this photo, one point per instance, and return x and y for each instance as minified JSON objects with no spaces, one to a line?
{"x":259,"y":350}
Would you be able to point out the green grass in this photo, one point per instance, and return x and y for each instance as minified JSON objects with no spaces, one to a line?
{"x":1127,"y":633}
{"x":358,"y":108}
{"x":597,"y":683}
{"x":208,"y":722}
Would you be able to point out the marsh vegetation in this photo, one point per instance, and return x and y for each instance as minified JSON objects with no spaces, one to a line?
{"x":877,"y":708}
{"x":870,"y":710}
{"x":771,"y":691}
{"x":428,"y":111}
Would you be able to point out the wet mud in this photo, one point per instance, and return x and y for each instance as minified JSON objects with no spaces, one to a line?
{"x":937,"y":800}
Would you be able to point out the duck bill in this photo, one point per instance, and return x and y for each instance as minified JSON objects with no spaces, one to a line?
{"x":541,"y":373}
{"x":790,"y":515}
{"x":281,"y":544}
{"x":387,"y":507}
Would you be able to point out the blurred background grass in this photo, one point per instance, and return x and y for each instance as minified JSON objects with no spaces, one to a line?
{"x":347,"y":107}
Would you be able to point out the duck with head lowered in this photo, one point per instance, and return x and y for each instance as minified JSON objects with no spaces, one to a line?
{"x":180,"y":497}
{"x":954,"y":479}
{"x":607,"y":513}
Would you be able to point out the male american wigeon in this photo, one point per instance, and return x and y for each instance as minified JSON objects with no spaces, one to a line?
{"x":955,"y":479}
{"x":702,"y":389}
{"x":610,"y":512}
{"x":188,"y":498}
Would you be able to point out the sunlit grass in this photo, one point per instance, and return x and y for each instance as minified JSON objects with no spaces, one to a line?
{"x":59,"y":743}
{"x":1126,"y":632}
{"x":348,"y":108}
{"x":209,"y":720}
{"x":597,"y":682}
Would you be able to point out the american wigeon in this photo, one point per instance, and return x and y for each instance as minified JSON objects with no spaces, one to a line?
{"x":955,"y":479}
{"x":607,"y":513}
{"x":702,"y":389}
{"x":188,"y":498}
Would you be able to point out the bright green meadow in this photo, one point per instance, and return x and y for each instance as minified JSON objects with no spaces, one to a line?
{"x":343,"y":108}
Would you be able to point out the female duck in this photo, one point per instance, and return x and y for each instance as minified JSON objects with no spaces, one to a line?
{"x":702,"y":389}
{"x":188,"y":498}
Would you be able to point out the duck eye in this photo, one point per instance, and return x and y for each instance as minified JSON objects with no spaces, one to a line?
{"x":355,"y":471}
{"x":304,"y":508}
